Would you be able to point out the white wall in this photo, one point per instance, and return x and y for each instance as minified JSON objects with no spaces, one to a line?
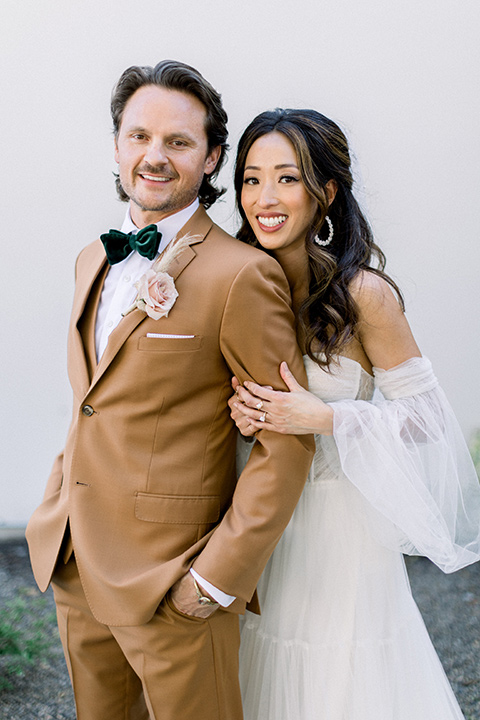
{"x":400,"y":77}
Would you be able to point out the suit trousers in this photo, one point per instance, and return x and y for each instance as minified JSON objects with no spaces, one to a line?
{"x":174,"y":667}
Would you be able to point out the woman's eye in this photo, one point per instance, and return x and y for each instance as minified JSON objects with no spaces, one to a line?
{"x":250,"y":181}
{"x":288,"y":179}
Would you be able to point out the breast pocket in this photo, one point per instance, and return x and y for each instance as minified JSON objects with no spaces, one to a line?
{"x":177,"y":509}
{"x":170,"y":343}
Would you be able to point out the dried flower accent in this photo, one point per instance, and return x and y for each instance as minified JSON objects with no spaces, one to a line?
{"x":156,"y":288}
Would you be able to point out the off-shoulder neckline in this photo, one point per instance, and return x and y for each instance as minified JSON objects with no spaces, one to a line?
{"x":341,"y":358}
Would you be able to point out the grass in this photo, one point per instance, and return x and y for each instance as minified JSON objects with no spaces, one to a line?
{"x":475,"y":450}
{"x":26,"y":634}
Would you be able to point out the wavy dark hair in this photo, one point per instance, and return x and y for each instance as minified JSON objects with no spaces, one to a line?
{"x":174,"y":75}
{"x":328,"y":318}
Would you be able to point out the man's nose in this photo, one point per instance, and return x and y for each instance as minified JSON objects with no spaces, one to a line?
{"x":155,"y":154}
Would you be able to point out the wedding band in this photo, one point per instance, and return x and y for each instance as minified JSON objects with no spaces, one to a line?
{"x":262,"y":417}
{"x":259,"y":405}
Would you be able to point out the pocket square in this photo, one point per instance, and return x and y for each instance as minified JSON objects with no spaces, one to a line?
{"x":170,"y":337}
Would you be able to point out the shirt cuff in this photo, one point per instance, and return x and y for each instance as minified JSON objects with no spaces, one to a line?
{"x":218,"y":595}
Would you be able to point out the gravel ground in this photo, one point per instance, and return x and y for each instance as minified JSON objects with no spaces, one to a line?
{"x":450,"y":605}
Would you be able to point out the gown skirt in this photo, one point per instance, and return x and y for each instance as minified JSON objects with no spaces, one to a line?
{"x":340,"y":636}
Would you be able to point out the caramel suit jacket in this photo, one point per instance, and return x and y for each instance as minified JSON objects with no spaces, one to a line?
{"x":147,"y":481}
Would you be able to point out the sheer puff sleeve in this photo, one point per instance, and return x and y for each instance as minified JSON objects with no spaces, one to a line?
{"x":407,"y":456}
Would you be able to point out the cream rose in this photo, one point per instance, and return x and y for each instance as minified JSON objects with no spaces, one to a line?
{"x":156,"y":289}
{"x":156,"y":294}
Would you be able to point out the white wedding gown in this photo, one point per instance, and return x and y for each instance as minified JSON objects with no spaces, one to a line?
{"x":340,"y":636}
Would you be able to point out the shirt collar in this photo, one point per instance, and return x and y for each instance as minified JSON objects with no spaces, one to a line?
{"x":169,"y":226}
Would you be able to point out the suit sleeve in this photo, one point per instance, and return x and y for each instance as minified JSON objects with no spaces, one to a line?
{"x":257,"y":333}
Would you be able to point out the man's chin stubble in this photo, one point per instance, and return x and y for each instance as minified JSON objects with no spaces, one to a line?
{"x":171,"y":205}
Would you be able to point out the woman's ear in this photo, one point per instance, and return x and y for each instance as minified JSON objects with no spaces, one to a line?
{"x":331,"y":190}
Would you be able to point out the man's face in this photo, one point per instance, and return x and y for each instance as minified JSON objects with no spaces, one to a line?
{"x":162,"y":152}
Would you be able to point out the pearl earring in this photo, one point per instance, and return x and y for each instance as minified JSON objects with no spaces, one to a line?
{"x":324,"y":243}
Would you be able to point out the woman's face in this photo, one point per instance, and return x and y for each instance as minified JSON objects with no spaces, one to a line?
{"x":274,"y":198}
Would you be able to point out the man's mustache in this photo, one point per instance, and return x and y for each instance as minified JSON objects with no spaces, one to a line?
{"x":156,"y":170}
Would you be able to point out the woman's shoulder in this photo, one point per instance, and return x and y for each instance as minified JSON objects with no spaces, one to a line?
{"x":382,"y":328}
{"x":370,"y":285}
{"x":374,"y":296}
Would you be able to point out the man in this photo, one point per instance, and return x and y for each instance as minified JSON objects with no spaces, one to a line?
{"x":146,"y":486}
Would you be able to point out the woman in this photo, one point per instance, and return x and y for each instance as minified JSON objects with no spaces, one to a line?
{"x":340,"y":636}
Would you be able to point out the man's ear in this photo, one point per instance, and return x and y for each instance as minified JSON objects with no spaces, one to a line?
{"x":212,"y":160}
{"x":115,"y":154}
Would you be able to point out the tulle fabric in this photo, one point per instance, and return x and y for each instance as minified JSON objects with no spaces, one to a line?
{"x":340,"y":636}
{"x":407,"y":456}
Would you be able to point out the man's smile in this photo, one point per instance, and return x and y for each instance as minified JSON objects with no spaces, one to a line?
{"x":155,"y":178}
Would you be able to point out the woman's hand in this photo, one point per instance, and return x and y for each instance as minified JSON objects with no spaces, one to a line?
{"x":296,"y":412}
{"x":242,"y":422}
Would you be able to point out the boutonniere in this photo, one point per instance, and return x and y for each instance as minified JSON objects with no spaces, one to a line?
{"x":156,"y":288}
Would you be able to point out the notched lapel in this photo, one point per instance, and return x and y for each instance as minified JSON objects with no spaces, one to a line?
{"x":116,"y":339}
{"x":94,"y":262}
{"x":93,"y":267}
{"x":198,"y":227}
{"x":180,"y":263}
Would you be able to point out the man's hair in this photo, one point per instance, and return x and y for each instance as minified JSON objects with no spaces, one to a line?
{"x":174,"y":75}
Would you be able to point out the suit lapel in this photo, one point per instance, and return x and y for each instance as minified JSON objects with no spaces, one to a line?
{"x":87,"y":321}
{"x":83,"y":318}
{"x":198,"y":227}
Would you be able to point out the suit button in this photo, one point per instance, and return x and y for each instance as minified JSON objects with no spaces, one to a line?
{"x":88,"y":410}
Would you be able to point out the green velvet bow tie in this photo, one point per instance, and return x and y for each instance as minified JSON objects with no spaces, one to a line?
{"x":119,"y":245}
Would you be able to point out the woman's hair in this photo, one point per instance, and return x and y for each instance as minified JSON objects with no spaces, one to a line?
{"x":329,"y":316}
{"x":174,"y":75}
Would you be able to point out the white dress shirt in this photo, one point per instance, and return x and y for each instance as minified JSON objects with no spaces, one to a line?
{"x":119,"y":291}
{"x":118,"y":294}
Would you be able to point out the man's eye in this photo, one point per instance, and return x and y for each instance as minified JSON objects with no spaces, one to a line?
{"x":138,"y":136}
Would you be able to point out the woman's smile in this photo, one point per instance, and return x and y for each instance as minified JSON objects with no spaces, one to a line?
{"x":270,"y":222}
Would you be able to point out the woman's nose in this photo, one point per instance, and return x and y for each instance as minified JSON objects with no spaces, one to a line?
{"x":267,"y":196}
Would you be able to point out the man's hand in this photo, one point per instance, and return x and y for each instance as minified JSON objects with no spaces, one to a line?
{"x":185,"y":598}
